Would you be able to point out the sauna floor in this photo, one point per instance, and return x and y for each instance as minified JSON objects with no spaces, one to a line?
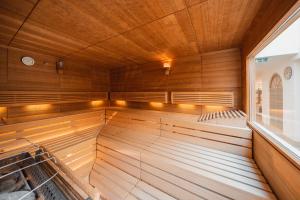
{"x":146,"y":167}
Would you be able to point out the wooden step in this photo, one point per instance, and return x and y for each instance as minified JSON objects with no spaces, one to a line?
{"x":181,"y":158}
{"x":134,"y":159}
{"x":116,"y":184}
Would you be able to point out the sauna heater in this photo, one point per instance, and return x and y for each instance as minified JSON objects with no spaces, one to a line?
{"x":29,"y":176}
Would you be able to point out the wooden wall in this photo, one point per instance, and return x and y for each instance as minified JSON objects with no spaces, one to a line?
{"x":269,"y":14}
{"x":216,"y":71}
{"x":76,"y":77}
{"x":282,"y":175}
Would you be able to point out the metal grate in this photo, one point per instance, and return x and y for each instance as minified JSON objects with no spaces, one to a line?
{"x":36,"y":184}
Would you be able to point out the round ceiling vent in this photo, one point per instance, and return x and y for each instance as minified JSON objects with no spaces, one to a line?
{"x":28,"y":61}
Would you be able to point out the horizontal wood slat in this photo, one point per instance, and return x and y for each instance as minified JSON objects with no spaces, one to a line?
{"x":235,"y":140}
{"x":161,"y":97}
{"x":18,"y":98}
{"x":203,"y":98}
{"x":70,"y":139}
{"x":134,"y":155}
{"x":235,"y":118}
{"x":54,"y":133}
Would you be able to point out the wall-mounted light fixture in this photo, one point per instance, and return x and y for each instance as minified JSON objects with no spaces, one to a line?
{"x":210,"y":108}
{"x":97,"y":103}
{"x":156,"y":104}
{"x":121,"y":102}
{"x":186,"y":106}
{"x":167,"y":67}
{"x":2,"y":110}
{"x":38,"y":107}
{"x":60,"y":66}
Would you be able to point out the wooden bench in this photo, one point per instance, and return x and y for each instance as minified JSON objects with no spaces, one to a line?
{"x":71,"y":139}
{"x":134,"y":148}
{"x":228,"y":117}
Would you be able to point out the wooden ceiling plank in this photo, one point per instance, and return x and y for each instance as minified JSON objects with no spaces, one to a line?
{"x":25,"y":19}
{"x":118,"y":33}
{"x":222,"y":24}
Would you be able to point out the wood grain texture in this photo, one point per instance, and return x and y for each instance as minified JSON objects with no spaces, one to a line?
{"x":50,"y":132}
{"x":203,"y":98}
{"x":214,"y":72}
{"x":160,"y":97}
{"x":267,"y":17}
{"x":186,"y":128}
{"x":119,"y":33}
{"x":20,"y":98}
{"x":222,"y":24}
{"x":70,"y":139}
{"x":132,"y":153}
{"x":281,"y":174}
{"x":21,"y":85}
{"x":12,"y":16}
{"x":77,"y":76}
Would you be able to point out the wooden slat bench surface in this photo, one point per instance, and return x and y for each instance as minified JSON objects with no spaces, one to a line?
{"x":228,"y":117}
{"x":51,"y":131}
{"x":71,"y":139}
{"x":136,"y":157}
{"x":236,"y":140}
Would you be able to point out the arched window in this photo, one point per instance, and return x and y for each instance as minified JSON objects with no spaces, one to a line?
{"x":276,"y":102}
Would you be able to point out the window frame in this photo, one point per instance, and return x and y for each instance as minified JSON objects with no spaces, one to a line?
{"x":289,"y":151}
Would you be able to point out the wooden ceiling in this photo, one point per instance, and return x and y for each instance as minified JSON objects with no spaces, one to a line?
{"x":115,"y":33}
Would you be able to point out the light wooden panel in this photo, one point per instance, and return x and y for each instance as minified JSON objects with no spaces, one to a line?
{"x":186,"y":128}
{"x":133,"y":155}
{"x":270,"y":13}
{"x":126,"y":32}
{"x":79,"y":158}
{"x":162,"y":39}
{"x":77,"y":76}
{"x":71,"y":139}
{"x":203,"y":98}
{"x":19,"y":98}
{"x":73,"y":90}
{"x":55,"y":133}
{"x":222,"y":24}
{"x":224,"y":138}
{"x":12,"y":15}
{"x":161,"y":97}
{"x":236,"y":118}
{"x":214,"y":72}
{"x":282,"y":175}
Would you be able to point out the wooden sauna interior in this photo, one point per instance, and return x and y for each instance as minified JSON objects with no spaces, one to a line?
{"x":141,"y":99}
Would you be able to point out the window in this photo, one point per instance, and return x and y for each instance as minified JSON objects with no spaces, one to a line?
{"x":275,"y":89}
{"x":276,"y":104}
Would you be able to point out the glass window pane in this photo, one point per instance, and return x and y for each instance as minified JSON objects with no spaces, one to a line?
{"x":277,"y":86}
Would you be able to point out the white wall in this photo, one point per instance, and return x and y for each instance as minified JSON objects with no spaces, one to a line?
{"x":288,"y":42}
{"x":291,"y":91}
